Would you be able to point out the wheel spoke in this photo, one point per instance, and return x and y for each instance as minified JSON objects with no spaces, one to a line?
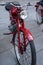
{"x":25,"y":58}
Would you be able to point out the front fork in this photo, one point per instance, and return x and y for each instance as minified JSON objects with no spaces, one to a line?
{"x":19,"y":42}
{"x":22,"y":46}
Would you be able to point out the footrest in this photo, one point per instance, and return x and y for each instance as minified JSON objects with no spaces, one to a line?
{"x":5,"y":33}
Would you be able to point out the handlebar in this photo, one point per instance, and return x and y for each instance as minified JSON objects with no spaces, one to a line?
{"x":3,"y":4}
{"x":28,"y":4}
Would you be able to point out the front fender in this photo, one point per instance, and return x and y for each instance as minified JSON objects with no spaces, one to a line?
{"x":27,"y":33}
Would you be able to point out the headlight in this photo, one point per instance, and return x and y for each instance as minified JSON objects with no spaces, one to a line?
{"x":23,"y":14}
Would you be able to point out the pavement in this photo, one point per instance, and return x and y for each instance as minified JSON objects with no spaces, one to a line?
{"x":7,"y":55}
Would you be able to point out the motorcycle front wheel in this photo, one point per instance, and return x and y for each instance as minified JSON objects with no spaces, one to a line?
{"x":29,"y":56}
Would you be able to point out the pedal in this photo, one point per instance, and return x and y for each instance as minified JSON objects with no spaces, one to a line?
{"x":8,"y":33}
{"x":5,"y":33}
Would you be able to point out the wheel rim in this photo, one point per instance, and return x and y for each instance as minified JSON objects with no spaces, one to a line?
{"x":25,"y":58}
{"x":39,"y":18}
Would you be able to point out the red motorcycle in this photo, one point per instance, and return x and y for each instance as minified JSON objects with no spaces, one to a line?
{"x":22,"y":38}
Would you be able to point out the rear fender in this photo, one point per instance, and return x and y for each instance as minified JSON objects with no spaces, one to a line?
{"x":27,"y":33}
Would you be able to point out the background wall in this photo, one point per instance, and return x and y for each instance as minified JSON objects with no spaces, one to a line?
{"x":19,"y":0}
{"x":22,"y":1}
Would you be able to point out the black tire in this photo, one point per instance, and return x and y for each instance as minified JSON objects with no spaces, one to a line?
{"x":33,"y":51}
{"x":39,"y":18}
{"x":40,"y":22}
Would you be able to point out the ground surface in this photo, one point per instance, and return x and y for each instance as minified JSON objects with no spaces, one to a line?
{"x":7,"y":55}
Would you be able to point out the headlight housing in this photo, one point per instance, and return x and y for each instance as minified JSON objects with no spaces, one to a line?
{"x":23,"y":14}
